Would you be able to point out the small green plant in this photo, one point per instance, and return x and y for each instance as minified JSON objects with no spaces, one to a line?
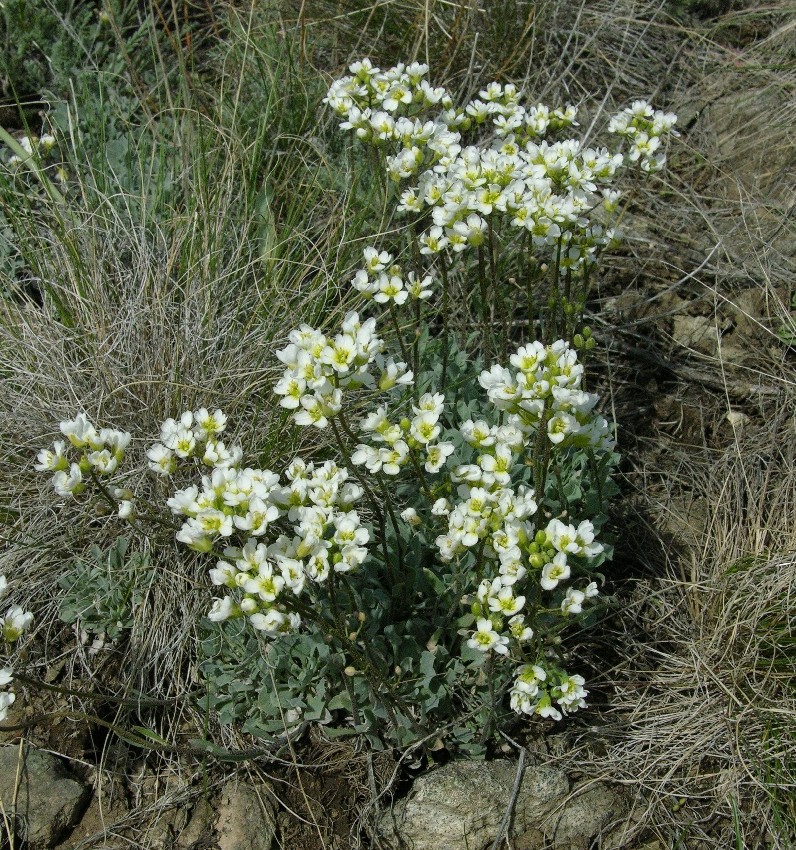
{"x":102,"y":591}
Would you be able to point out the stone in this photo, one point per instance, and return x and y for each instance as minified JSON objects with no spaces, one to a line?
{"x":587,"y":813}
{"x":198,"y":826}
{"x":246,"y":819}
{"x":461,"y":805}
{"x":49,"y":800}
{"x":696,"y":332}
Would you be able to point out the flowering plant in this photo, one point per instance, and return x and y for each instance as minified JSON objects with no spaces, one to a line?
{"x":435,"y":557}
{"x":12,"y":626}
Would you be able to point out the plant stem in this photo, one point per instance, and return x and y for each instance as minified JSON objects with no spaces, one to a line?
{"x":377,"y":512}
{"x":445,"y":340}
{"x":501,"y":304}
{"x":484,"y":305}
{"x":541,"y":453}
{"x":398,"y":334}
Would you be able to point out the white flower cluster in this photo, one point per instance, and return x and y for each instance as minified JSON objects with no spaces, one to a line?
{"x":547,"y":188}
{"x":194,"y":434}
{"x":231,"y":500}
{"x":43,"y":144}
{"x":496,"y":520}
{"x":319,"y":368}
{"x":327,"y":536}
{"x":101,"y":452}
{"x":545,"y":387}
{"x":15,"y":622}
{"x":396,"y":440}
{"x":535,"y":689}
{"x":383,"y":281}
{"x":645,"y":129}
{"x":243,"y":502}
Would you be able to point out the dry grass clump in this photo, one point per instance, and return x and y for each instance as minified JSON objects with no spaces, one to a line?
{"x":136,"y":304}
{"x":705,"y":713}
{"x":705,"y":704}
{"x":568,"y":51}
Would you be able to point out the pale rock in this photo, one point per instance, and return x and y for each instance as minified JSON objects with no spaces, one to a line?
{"x":49,"y":800}
{"x":246,"y":819}
{"x":460,"y":806}
{"x":589,"y":811}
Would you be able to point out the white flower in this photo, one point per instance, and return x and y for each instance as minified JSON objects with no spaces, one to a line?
{"x":436,"y":455}
{"x":273,"y":622}
{"x":519,"y":630}
{"x":477,"y":434}
{"x":15,"y":622}
{"x":161,"y":459}
{"x":391,"y":288}
{"x":70,"y":484}
{"x":570,"y":694}
{"x":209,"y":424}
{"x":6,"y":676}
{"x":572,"y":603}
{"x":394,"y":374}
{"x":80,"y":432}
{"x":505,"y":603}
{"x":52,"y":461}
{"x":485,"y":638}
{"x":424,"y":427}
{"x":419,"y":289}
{"x":411,"y":517}
{"x":222,"y":609}
{"x":103,"y":461}
{"x":554,"y":572}
{"x":6,"y":701}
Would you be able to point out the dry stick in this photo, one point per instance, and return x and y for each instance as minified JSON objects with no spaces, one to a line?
{"x":515,"y":791}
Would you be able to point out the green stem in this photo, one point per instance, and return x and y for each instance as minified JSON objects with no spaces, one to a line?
{"x":484,"y":303}
{"x":398,"y":334}
{"x":501,"y":304}
{"x":32,"y":160}
{"x":541,"y":453}
{"x":421,"y":475}
{"x":377,"y":512}
{"x":445,"y":340}
{"x":490,"y":721}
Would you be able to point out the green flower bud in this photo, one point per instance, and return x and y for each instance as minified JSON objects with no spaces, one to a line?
{"x":537,"y":560}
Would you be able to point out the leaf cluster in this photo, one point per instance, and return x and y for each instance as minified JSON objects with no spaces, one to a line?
{"x":103,"y":591}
